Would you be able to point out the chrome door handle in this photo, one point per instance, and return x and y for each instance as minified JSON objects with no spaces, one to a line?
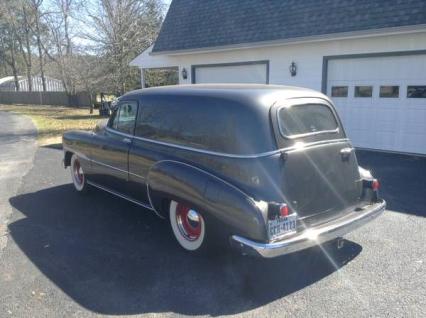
{"x":346,"y":151}
{"x":127,"y":140}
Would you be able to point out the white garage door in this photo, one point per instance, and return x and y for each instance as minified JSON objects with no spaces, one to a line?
{"x":381,"y":101}
{"x":255,"y":73}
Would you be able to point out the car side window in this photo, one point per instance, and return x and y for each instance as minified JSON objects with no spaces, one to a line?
{"x":188,"y":122}
{"x":123,"y":119}
{"x":113,"y":119}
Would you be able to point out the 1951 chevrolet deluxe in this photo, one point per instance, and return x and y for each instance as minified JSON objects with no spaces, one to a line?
{"x":268,"y":168}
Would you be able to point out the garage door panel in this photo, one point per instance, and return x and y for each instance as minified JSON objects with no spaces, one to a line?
{"x":254,"y":73}
{"x":385,"y":123}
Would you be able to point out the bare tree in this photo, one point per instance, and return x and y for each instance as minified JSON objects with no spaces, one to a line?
{"x":8,"y":52}
{"x":124,"y":29}
{"x":88,"y":44}
{"x":36,"y":8}
{"x":22,"y":27}
{"x":59,"y":47}
{"x":9,"y":38}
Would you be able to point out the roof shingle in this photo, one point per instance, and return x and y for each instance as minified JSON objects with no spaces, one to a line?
{"x":194,"y":24}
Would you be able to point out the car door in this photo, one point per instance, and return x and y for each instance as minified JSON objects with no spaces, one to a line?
{"x":110,"y":156}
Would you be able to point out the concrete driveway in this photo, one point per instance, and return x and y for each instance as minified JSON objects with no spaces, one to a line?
{"x":78,"y":256}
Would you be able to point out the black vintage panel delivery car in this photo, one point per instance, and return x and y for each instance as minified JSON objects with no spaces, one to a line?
{"x":268,"y":168}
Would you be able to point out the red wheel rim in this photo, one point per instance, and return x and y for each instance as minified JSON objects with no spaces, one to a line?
{"x":189,"y":222}
{"x":78,"y":172}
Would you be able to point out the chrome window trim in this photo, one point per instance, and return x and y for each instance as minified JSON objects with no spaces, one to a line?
{"x":228,"y":155}
{"x":306,"y":101}
{"x":316,"y":144}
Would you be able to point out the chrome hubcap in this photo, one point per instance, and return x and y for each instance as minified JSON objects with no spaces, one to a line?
{"x":78,"y":172}
{"x":189,"y":222}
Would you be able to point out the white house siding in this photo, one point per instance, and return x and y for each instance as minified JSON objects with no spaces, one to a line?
{"x":253,"y":73}
{"x":307,"y":56}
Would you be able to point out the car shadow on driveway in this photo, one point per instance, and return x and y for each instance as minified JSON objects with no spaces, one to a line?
{"x":115,"y":258}
{"x":402,"y":178}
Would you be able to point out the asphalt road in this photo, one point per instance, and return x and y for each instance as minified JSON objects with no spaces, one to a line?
{"x":69,"y":255}
{"x":17,"y":148}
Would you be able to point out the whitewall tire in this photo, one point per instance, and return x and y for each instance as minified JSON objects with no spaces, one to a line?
{"x":77,"y":175}
{"x":188,"y":226}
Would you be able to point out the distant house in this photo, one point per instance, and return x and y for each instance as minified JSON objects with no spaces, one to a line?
{"x":369,"y":56}
{"x":52,"y":84}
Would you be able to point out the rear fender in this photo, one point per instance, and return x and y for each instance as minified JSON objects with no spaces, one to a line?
{"x":223,"y":205}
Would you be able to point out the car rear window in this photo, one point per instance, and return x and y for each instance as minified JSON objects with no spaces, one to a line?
{"x":307,"y":119}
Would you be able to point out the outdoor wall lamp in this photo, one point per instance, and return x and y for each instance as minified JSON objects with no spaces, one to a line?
{"x":293,"y":69}
{"x":184,"y":73}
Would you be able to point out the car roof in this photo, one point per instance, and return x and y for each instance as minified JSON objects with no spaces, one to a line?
{"x":265,"y":94}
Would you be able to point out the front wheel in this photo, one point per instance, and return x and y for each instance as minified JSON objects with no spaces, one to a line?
{"x":77,"y":174}
{"x":188,"y":226}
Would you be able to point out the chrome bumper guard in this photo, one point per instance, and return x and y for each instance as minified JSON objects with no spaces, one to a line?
{"x":312,"y":236}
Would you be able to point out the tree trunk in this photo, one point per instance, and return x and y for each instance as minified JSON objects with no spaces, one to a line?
{"x":13,"y":64}
{"x":40,"y":51}
{"x":65,"y":11}
{"x":91,"y":102}
{"x":27,"y":55}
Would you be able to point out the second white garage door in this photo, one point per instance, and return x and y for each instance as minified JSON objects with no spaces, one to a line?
{"x":253,"y":72}
{"x":381,"y":101}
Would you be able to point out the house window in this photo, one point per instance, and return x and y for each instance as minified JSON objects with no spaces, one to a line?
{"x":161,"y":76}
{"x":389,"y":91}
{"x":416,"y":91}
{"x":363,"y":91}
{"x":339,"y":91}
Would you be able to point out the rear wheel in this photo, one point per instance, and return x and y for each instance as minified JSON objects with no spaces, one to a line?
{"x":188,"y":226}
{"x":77,"y":174}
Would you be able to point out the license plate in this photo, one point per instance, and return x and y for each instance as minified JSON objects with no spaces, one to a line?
{"x":282,"y":226}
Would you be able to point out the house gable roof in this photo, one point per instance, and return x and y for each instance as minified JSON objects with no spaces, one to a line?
{"x":197,"y":24}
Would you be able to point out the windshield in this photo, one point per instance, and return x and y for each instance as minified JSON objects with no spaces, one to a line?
{"x":307,"y":119}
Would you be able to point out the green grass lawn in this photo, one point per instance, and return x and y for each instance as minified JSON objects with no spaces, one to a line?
{"x":53,"y":121}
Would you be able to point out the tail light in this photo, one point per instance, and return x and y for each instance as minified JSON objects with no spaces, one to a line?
{"x":284,"y":210}
{"x":375,"y":185}
{"x":372,"y":184}
{"x":277,"y":209}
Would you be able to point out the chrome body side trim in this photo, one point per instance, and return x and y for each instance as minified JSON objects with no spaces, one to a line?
{"x":312,"y":236}
{"x":108,"y":166}
{"x":150,"y":202}
{"x":120,"y":195}
{"x":228,"y":155}
{"x":137,"y":175}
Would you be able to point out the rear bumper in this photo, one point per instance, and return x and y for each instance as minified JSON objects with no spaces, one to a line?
{"x":312,"y":236}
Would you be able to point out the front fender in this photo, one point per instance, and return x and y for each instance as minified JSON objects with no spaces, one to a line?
{"x":222,"y":204}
